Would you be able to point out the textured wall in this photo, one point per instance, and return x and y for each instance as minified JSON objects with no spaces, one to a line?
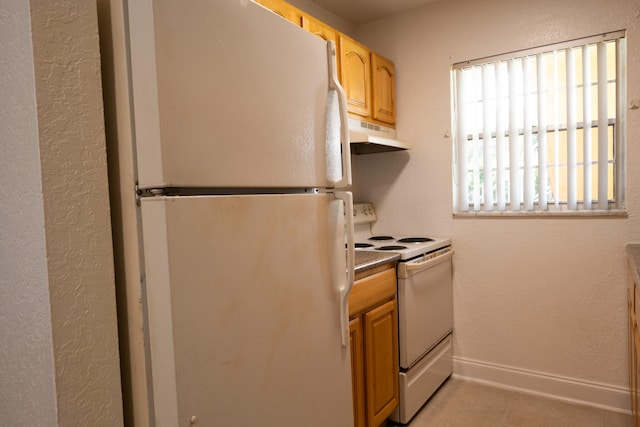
{"x":27,"y":383}
{"x":59,"y":358}
{"x":535,"y":296}
{"x":76,"y":205}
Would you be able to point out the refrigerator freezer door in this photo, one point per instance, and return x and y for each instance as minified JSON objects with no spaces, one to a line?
{"x":228,"y":94}
{"x":243,"y":310}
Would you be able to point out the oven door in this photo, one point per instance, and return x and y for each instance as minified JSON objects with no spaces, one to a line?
{"x":425,"y":304}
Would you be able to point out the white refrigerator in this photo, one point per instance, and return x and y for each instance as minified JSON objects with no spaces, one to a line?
{"x":240,"y":165}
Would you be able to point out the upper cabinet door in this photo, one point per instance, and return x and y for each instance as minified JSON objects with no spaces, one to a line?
{"x":384,"y":89}
{"x":319,"y":28}
{"x":355,"y":73}
{"x":283,"y":9}
{"x":322,"y":30}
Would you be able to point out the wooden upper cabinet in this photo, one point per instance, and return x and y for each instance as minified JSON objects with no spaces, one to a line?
{"x":383,"y":75}
{"x":323,"y":31}
{"x":368,"y":79}
{"x":319,"y":28}
{"x":355,"y":75}
{"x":283,"y":9}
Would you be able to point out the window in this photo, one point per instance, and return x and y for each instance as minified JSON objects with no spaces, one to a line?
{"x":542,"y":130}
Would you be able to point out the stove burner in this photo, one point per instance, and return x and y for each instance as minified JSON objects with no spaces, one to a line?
{"x":381,"y":238}
{"x":363,"y":245}
{"x":415,"y":240}
{"x":391,"y":248}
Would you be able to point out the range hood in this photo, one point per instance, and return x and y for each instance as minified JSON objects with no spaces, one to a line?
{"x":367,"y":138}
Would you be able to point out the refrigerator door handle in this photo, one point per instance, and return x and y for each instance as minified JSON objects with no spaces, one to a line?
{"x":334,"y":84}
{"x":347,"y":198}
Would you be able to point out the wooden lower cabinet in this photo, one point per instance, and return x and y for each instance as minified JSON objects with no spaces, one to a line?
{"x":634,"y":366}
{"x":374,"y":348}
{"x":357,"y":371}
{"x":635,"y":395}
{"x":633,"y":304}
{"x":381,"y":362}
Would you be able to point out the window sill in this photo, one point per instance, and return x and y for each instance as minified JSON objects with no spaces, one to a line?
{"x":617,"y":213}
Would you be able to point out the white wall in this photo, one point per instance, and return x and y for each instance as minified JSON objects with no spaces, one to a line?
{"x":539,"y":304}
{"x":27,"y":390}
{"x":59,"y":362}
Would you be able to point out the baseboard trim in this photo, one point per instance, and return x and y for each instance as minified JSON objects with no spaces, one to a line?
{"x":604,"y":396}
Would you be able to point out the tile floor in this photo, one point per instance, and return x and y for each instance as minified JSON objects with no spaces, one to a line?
{"x":461,"y":403}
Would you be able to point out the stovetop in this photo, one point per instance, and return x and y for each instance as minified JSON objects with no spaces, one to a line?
{"x":406,"y":249}
{"x":408,"y":246}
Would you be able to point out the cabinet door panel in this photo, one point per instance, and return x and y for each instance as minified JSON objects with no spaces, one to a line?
{"x":383,"y":89}
{"x":357,"y":371}
{"x":355,"y":73}
{"x":323,"y":31}
{"x":381,"y":362}
{"x":319,"y":28}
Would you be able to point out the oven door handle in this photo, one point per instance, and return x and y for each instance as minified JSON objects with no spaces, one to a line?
{"x":422,"y":265}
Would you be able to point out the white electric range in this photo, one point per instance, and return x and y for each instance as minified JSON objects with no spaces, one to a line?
{"x":425,"y":308}
{"x":408,"y":247}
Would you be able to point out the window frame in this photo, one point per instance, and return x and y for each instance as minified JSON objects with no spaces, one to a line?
{"x":615,"y":207}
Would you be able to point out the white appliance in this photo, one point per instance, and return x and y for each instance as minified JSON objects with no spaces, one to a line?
{"x":425,"y":309}
{"x":241,"y":157}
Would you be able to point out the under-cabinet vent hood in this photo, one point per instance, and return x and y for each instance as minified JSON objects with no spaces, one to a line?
{"x":367,"y":138}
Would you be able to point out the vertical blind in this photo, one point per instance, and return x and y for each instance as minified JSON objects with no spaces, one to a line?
{"x":541,"y":130}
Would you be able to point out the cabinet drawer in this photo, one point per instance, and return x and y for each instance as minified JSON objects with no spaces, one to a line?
{"x":371,"y":291}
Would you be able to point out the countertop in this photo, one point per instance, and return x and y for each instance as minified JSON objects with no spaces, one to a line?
{"x":633,"y":253}
{"x":366,"y":260}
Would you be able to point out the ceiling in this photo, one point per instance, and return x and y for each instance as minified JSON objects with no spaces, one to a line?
{"x":361,"y":11}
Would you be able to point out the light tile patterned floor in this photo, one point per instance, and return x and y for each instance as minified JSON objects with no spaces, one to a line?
{"x":461,"y":403}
